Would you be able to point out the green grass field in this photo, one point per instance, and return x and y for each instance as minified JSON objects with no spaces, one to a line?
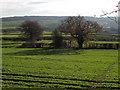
{"x":49,"y":34}
{"x":11,"y":24}
{"x":58,"y":68}
{"x":61,"y":68}
{"x":16,"y":24}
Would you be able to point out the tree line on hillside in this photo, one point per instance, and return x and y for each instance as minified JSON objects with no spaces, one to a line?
{"x":78,"y":27}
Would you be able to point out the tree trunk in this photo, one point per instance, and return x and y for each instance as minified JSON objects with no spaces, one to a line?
{"x":80,"y":44}
{"x":80,"y":41}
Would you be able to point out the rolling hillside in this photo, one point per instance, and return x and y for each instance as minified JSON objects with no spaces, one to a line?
{"x":49,"y":23}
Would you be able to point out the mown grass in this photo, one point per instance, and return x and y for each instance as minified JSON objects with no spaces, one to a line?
{"x":58,"y":64}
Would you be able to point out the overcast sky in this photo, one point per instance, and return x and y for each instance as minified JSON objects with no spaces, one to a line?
{"x":56,"y":7}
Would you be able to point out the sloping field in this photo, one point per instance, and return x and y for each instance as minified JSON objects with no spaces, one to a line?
{"x":60,"y":68}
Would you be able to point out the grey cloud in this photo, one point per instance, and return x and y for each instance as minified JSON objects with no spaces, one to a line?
{"x":45,"y":1}
{"x":16,"y":9}
{"x":37,"y":2}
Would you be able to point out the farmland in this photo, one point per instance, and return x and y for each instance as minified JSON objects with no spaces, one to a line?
{"x":68,"y":68}
{"x":51,"y":22}
{"x":35,"y":67}
{"x":93,"y":66}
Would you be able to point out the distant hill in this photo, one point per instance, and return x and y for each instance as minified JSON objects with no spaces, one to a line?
{"x":49,"y":23}
{"x":34,"y":18}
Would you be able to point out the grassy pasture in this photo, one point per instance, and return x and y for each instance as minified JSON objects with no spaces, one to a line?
{"x":100,"y":42}
{"x":15,"y":24}
{"x":60,"y":68}
{"x":11,"y":24}
{"x":7,"y":43}
{"x":9,"y":35}
{"x":49,"y":34}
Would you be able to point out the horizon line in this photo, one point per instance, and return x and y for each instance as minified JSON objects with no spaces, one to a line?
{"x":54,"y":16}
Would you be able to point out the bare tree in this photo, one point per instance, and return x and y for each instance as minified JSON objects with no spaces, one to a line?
{"x":31,"y":30}
{"x":113,"y":12}
{"x":80,"y":29}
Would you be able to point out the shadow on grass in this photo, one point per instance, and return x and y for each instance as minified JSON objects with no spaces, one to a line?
{"x":38,"y":51}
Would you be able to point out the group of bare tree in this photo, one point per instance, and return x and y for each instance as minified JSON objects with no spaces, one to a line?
{"x":80,"y":29}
